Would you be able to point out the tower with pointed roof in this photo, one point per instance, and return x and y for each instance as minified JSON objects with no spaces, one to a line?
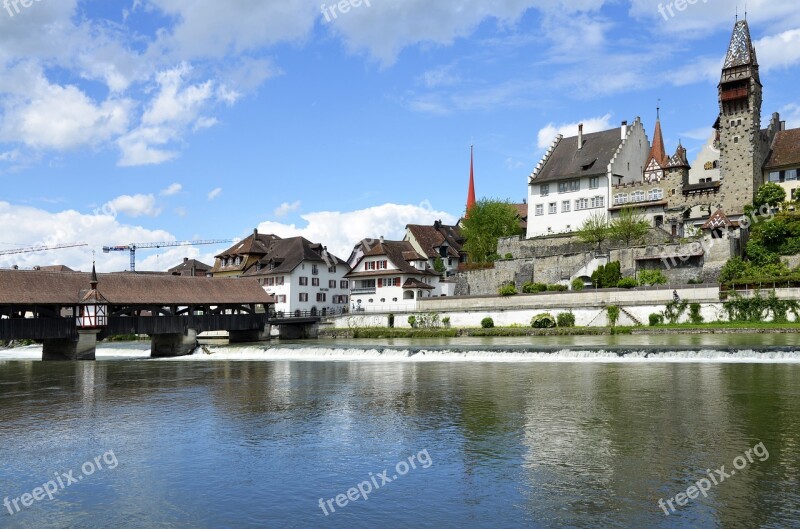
{"x":658,"y":160}
{"x":740,"y":97}
{"x":471,"y":190}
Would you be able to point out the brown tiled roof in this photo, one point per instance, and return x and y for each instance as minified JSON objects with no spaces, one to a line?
{"x":522,"y":213}
{"x":567,"y":161}
{"x":286,"y":254}
{"x":188,"y":265}
{"x":430,"y":238}
{"x":658,"y":152}
{"x":393,"y":250}
{"x":785,"y":150}
{"x":717,"y":220}
{"x":54,"y":268}
{"x":412,"y":283}
{"x":22,"y":287}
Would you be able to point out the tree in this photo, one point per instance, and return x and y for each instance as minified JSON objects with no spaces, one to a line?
{"x":771,"y":195}
{"x":439,"y":266}
{"x":594,"y":230}
{"x":488,"y":221}
{"x":629,"y":227}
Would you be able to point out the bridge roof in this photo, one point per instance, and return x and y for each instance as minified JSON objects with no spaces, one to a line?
{"x":24,"y":287}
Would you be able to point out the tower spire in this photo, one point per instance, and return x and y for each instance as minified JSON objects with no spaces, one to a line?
{"x":471,"y":191}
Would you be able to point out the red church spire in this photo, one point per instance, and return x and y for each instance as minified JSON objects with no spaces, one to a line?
{"x":471,"y":192}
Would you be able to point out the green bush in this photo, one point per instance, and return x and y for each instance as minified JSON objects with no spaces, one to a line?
{"x":412,"y":321}
{"x":694,"y":314}
{"x":566,"y":319}
{"x":578,"y":284}
{"x":627,"y":282}
{"x":607,"y":276}
{"x":509,"y":256}
{"x":487,"y":323}
{"x":674,"y":310}
{"x":557,"y":288}
{"x":508,"y":290}
{"x":533,"y":288}
{"x":543,"y":321}
{"x":613,"y":315}
{"x":446,"y":322}
{"x":648,"y":278}
{"x":656,"y":319}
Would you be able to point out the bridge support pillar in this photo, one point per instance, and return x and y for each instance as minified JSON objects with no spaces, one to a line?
{"x":258,"y":335}
{"x":172,"y":345}
{"x":82,"y":348}
{"x":300,"y":331}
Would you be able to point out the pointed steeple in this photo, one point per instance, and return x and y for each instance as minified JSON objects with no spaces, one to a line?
{"x":658,"y":152}
{"x":471,"y":191}
{"x":741,"y":51}
{"x":679,"y":160}
{"x":94,"y":281}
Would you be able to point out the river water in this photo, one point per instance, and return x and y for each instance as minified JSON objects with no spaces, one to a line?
{"x":568,"y":432}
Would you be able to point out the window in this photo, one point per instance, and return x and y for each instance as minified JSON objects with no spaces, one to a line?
{"x":569,"y":187}
{"x":314,"y":281}
{"x":553,"y":208}
{"x":279,"y":281}
{"x":314,"y":270}
{"x":303,"y":281}
{"x":620,"y":198}
{"x":791,"y":174}
{"x":775,"y":176}
{"x":390,"y":282}
{"x":739,"y":121}
{"x":344,"y":284}
{"x":383,"y":265}
{"x":655,"y":194}
{"x":736,"y":139}
{"x":332,"y":269}
{"x":332,"y":283}
{"x":581,"y":204}
{"x":281,"y":299}
{"x":598,"y":202}
{"x":321,"y":297}
{"x":637,"y":196}
{"x":733,"y":123}
{"x":544,"y":190}
{"x":566,"y":206}
{"x":303,"y":297}
{"x":539,"y":209}
{"x":594,"y":182}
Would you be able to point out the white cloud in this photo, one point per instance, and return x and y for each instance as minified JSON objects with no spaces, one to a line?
{"x":779,"y":51}
{"x":172,"y":190}
{"x":340,"y":231}
{"x":548,"y":134}
{"x":791,"y":114}
{"x":214,"y":193}
{"x":28,"y":226}
{"x":701,"y":134}
{"x":286,"y":208}
{"x":10,"y":156}
{"x":134,"y":205}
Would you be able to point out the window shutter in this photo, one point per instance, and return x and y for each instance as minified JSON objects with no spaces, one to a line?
{"x":380,"y":283}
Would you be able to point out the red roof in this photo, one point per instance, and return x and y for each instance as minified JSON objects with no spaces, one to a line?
{"x":658,"y":152}
{"x":471,"y":191}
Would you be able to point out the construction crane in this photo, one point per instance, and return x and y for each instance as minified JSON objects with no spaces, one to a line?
{"x":140,"y":245}
{"x":42,"y":248}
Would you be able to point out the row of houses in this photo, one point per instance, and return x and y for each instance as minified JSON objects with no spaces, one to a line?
{"x":379,"y":275}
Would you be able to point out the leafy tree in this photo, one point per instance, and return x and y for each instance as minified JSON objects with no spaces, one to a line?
{"x":438,"y":265}
{"x":629,"y":227}
{"x":488,"y":221}
{"x":770,"y":194}
{"x":607,"y":276}
{"x":652,"y":277}
{"x":594,"y":230}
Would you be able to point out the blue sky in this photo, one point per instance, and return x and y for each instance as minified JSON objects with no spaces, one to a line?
{"x":150,"y":120}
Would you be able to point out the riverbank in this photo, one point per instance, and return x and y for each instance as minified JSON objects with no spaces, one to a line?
{"x":708,"y":328}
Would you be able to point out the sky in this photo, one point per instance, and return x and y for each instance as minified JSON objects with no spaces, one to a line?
{"x":167,"y":120}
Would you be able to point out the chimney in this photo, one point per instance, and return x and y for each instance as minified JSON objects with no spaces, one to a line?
{"x":381,"y":239}
{"x":580,"y":136}
{"x":624,"y":129}
{"x":255,"y":232}
{"x":185,"y":260}
{"x":783,"y":125}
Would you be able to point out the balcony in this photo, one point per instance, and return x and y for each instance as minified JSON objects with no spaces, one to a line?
{"x":363,"y":291}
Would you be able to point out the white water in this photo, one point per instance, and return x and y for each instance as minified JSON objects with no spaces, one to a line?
{"x":141,"y":351}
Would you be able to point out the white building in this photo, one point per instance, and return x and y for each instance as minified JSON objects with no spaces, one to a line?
{"x":573,"y":181}
{"x":302,"y":276}
{"x":390,"y":276}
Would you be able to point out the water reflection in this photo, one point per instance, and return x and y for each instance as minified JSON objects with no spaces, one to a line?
{"x":535,"y":445}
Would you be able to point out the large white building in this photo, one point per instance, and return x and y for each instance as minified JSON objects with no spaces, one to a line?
{"x":301,"y":275}
{"x":574,"y":179}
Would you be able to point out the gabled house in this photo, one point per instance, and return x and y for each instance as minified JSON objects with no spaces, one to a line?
{"x":191,"y":268}
{"x":302,"y":277}
{"x":783,"y":164}
{"x":243,"y":255}
{"x":438,"y":242}
{"x":390,"y":276}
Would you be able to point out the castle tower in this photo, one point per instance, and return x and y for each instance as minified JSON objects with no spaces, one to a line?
{"x":741,"y":145}
{"x":471,"y":191}
{"x":658,"y":159}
